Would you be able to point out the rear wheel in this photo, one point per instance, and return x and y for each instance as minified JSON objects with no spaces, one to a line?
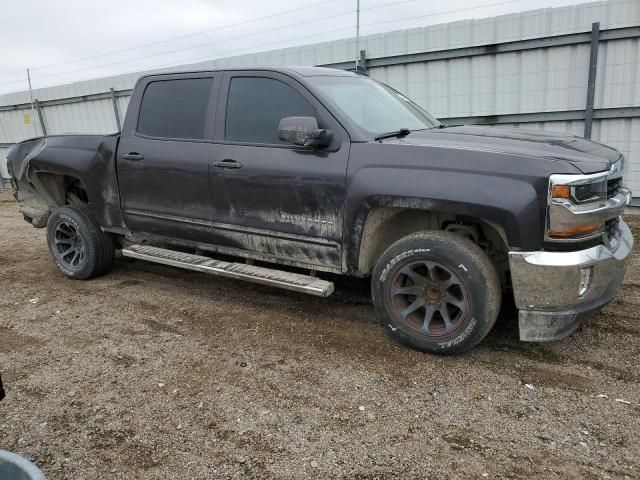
{"x":77,"y":243}
{"x":436,"y":292}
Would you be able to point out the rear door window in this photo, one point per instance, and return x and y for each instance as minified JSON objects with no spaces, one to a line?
{"x":175,"y":108}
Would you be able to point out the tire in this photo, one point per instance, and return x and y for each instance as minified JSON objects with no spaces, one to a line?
{"x":73,"y":229}
{"x":436,"y":292}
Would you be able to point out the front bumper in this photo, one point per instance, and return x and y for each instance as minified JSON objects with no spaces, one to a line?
{"x":547,"y":285}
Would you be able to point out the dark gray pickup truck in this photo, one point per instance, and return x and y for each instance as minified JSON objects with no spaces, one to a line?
{"x":321,"y":170}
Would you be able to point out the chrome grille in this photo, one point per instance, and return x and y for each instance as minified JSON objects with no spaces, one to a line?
{"x":613,"y":185}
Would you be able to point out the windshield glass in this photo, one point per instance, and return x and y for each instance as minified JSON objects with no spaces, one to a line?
{"x":373,"y":106}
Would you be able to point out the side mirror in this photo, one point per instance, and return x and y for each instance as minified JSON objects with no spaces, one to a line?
{"x":303,"y":131}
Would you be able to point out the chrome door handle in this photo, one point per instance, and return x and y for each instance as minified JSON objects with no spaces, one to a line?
{"x":227,"y":163}
{"x":132,"y":156}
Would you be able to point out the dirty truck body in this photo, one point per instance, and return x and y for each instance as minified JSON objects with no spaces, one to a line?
{"x":329,"y":171}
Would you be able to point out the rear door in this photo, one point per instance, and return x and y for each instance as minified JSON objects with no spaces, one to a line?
{"x":164,"y":153}
{"x":272,"y":199}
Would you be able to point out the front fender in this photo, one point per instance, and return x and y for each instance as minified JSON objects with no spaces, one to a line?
{"x":515,"y":204}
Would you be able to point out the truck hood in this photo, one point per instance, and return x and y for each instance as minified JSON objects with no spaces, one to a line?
{"x":586,"y":155}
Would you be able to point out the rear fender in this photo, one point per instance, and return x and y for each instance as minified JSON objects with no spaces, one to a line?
{"x":44,"y":167}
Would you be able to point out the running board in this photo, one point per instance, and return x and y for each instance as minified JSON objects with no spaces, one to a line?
{"x":240,"y":271}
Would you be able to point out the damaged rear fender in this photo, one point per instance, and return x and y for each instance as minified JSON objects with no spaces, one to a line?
{"x":42,"y":170}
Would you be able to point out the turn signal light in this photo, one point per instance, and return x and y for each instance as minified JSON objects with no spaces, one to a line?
{"x":561,"y":191}
{"x":576,"y":231}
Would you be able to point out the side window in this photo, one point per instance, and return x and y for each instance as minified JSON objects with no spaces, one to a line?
{"x":255,"y":107}
{"x":175,"y":108}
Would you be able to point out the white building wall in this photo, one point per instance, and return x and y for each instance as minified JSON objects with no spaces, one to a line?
{"x":3,"y":163}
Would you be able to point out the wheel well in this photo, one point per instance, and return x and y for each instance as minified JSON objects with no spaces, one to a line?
{"x":58,"y":190}
{"x":385,"y":226}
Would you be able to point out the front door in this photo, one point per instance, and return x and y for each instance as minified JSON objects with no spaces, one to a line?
{"x":283,"y":202}
{"x":164,"y":155}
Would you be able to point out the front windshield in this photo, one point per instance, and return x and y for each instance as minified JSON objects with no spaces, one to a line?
{"x":373,"y":106}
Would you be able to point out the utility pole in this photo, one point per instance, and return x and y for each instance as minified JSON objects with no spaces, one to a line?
{"x":357,"y":33}
{"x":33,"y":115}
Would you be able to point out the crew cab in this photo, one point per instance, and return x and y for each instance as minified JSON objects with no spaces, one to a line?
{"x":278,"y":175}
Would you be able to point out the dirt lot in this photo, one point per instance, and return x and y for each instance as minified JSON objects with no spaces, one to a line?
{"x":153,"y":372}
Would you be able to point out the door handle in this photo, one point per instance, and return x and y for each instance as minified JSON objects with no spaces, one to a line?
{"x":227,"y":163}
{"x":132,"y":156}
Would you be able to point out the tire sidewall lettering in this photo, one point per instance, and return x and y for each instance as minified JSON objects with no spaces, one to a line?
{"x":399,"y":258}
{"x":460,"y":338}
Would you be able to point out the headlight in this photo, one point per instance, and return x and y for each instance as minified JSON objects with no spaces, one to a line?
{"x":580,"y":194}
{"x":580,"y":206}
{"x":565,"y":222}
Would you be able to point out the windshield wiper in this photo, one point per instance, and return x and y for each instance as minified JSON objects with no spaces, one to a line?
{"x":438,"y":126}
{"x":403,"y":132}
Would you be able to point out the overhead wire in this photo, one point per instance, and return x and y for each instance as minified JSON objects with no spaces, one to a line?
{"x":168,"y":52}
{"x":180,"y":37}
{"x":187,"y":62}
{"x":202,"y":32}
{"x":219,"y":54}
{"x":208,"y":44}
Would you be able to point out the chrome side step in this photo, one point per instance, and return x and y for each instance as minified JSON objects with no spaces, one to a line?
{"x":265,"y":276}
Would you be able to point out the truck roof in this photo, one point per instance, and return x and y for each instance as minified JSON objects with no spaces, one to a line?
{"x":295,"y":70}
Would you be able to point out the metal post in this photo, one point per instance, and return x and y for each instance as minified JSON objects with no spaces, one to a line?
{"x":363,"y":60}
{"x":39,"y":110}
{"x":114,"y":102}
{"x":33,"y":116}
{"x":591,"y":83}
{"x":357,"y":33}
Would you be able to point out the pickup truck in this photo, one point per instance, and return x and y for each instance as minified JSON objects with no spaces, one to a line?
{"x":278,"y":175}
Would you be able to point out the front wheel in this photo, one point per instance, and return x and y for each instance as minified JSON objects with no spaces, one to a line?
{"x":77,"y":243}
{"x":436,"y":292}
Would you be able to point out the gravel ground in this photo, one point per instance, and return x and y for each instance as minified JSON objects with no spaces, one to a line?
{"x":154,"y":372}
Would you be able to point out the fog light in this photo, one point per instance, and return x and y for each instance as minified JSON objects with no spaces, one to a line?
{"x":585,"y":279}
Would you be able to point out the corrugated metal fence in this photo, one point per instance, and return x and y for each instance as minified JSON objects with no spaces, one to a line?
{"x":571,"y":69}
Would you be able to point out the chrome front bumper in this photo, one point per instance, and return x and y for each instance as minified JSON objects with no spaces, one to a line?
{"x":548,"y":291}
